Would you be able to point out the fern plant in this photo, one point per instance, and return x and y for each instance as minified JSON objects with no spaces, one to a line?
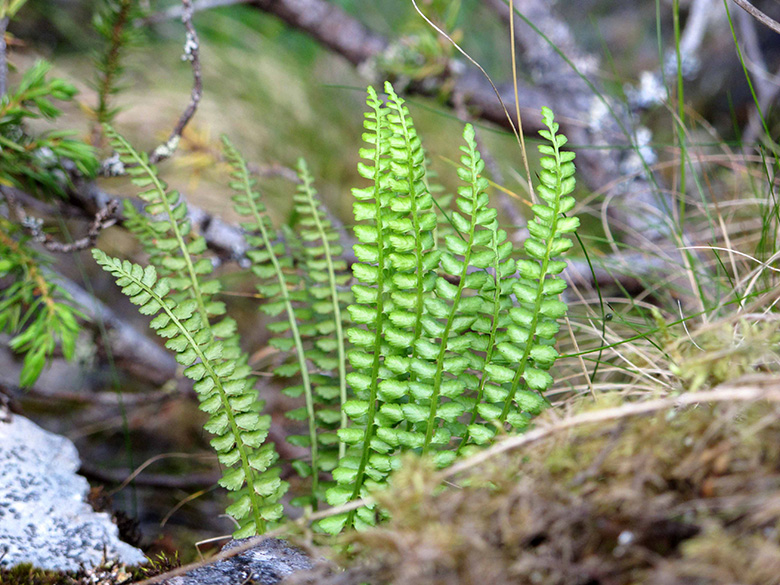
{"x":451,"y":343}
{"x":184,"y":313}
{"x":447,"y":342}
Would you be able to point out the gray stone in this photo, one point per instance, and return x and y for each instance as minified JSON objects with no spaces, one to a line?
{"x":265,"y":564}
{"x":44,"y":517}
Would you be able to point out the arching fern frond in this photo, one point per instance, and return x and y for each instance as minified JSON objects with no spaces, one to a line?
{"x":210,"y":350}
{"x":225,"y":389}
{"x":165,"y":232}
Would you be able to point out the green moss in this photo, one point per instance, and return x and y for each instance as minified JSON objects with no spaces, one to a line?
{"x":26,"y":574}
{"x":109,"y":573}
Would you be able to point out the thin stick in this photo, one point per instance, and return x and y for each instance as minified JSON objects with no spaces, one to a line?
{"x":758,"y":15}
{"x":191,"y":54}
{"x":523,"y":153}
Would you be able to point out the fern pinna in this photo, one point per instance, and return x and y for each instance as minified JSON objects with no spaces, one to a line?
{"x":182,"y":304}
{"x":451,"y":343}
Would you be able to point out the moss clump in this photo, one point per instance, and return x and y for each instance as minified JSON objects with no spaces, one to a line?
{"x":26,"y":574}
{"x":109,"y":573}
{"x":687,"y":496}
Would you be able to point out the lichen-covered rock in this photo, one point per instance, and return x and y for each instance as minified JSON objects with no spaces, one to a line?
{"x":44,"y":517}
{"x":265,"y":564}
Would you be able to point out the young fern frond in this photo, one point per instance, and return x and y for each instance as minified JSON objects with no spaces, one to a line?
{"x":165,"y":232}
{"x":225,"y":389}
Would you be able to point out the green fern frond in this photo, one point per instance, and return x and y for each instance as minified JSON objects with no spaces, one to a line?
{"x":165,"y":232}
{"x":210,"y":350}
{"x":370,"y":352}
{"x":326,"y":276}
{"x":225,"y":389}
{"x":539,"y":286}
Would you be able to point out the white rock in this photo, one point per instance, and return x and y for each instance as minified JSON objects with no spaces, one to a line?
{"x":44,"y":517}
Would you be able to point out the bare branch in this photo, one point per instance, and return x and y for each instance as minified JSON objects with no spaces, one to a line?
{"x":586,"y":116}
{"x":758,"y":15}
{"x":699,"y":17}
{"x":191,"y":54}
{"x":104,"y":218}
{"x":767,"y":85}
{"x":329,"y":25}
{"x":176,"y":11}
